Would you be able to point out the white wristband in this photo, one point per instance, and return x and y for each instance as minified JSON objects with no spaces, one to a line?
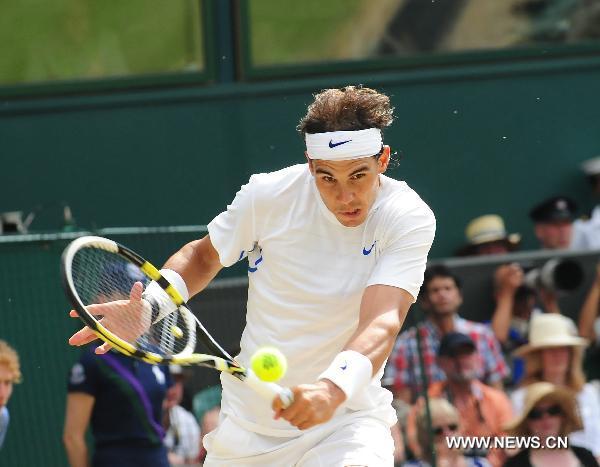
{"x":157,"y":297}
{"x":350,"y":371}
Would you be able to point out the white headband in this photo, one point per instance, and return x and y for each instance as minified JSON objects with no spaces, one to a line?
{"x":343,"y":145}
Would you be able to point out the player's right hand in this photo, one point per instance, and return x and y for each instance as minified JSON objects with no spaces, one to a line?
{"x":313,"y":404}
{"x":128,"y":319}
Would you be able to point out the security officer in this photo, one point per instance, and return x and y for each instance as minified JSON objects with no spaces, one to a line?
{"x":553,"y":222}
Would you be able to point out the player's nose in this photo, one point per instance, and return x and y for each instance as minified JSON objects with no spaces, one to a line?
{"x":345,"y":196}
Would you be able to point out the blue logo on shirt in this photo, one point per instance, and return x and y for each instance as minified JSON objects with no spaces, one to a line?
{"x":256,"y":263}
{"x":367,"y":252}
{"x":333,"y":145}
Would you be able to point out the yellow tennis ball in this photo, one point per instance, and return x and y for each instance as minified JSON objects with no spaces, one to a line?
{"x":176,"y":331}
{"x":269,"y":364}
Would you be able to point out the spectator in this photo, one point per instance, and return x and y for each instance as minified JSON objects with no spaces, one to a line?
{"x":445,"y":423}
{"x":548,"y":411}
{"x":441,"y":298}
{"x":515,"y":304}
{"x":555,"y":354}
{"x":119,"y":398}
{"x":486,"y":235}
{"x":588,"y":316}
{"x":10,"y":374}
{"x":586,"y":233}
{"x":553,"y":222}
{"x":589,"y":327}
{"x":483,"y":409}
{"x":182,"y":432}
{"x":207,"y":408}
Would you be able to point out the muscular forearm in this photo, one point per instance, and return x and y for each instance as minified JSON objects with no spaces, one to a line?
{"x":383,"y":310}
{"x":76,"y":451}
{"x":375,"y":338}
{"x":197,"y":263}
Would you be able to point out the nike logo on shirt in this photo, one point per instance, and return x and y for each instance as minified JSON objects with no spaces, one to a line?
{"x":333,"y":145}
{"x":367,"y":252}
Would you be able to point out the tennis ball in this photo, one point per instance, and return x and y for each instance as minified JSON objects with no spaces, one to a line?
{"x":176,"y":331}
{"x":269,"y":364}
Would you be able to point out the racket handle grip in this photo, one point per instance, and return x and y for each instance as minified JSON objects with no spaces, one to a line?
{"x":269,"y":390}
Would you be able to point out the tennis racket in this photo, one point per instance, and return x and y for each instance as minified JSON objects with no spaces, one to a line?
{"x":104,"y":282}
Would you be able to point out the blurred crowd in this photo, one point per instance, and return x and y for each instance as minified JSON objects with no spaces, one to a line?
{"x":528,"y":370}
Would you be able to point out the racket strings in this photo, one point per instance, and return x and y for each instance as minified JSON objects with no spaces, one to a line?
{"x":104,"y":281}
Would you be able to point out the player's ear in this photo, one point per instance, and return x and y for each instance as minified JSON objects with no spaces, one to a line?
{"x":384,"y":159}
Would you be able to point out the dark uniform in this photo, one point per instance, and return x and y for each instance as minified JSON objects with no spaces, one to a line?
{"x":127,"y":413}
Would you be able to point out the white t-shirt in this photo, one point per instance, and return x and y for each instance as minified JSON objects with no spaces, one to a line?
{"x":586,"y":234}
{"x":307,"y":273}
{"x":183,"y":435}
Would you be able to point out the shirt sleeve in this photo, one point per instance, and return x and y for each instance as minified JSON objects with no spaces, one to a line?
{"x":233,"y":232}
{"x":403,"y":259}
{"x":496,"y":368}
{"x":83,"y":376}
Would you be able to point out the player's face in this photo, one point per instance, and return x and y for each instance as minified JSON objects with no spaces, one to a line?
{"x":349,"y":188}
{"x":6,"y":384}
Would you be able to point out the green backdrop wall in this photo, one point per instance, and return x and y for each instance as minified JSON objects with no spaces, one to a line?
{"x":474,"y":140}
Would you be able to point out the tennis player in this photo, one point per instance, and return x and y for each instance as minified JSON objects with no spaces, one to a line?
{"x":336,"y":253}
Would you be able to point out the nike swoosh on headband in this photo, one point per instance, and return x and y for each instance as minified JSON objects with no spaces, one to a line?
{"x":333,"y":145}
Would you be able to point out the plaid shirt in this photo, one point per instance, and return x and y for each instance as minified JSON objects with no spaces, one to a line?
{"x":404,"y":369}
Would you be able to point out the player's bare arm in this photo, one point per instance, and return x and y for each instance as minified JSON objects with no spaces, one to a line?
{"x":382,"y":312}
{"x":197,"y":263}
{"x":383,"y":309}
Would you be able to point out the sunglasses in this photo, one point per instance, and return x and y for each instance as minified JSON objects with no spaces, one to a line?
{"x":553,"y":410}
{"x":439,"y":430}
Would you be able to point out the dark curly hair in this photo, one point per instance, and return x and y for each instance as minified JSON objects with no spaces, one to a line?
{"x":347,"y":108}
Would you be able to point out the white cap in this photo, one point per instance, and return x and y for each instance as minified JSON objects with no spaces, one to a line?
{"x":591,"y":166}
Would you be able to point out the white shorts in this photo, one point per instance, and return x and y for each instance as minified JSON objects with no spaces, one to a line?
{"x":345,"y":441}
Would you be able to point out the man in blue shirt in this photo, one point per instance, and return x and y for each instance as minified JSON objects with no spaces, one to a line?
{"x":121,"y":400}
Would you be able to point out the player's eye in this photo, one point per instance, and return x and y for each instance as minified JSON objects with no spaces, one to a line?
{"x":328,"y":179}
{"x":357,"y":176}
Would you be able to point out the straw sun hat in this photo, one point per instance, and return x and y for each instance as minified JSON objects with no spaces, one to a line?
{"x":486,"y":229}
{"x":551,"y":330}
{"x":543,"y":391}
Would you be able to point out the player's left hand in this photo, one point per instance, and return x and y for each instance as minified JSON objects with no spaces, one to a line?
{"x":313,"y":404}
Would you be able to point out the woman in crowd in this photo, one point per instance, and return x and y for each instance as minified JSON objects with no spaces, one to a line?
{"x":549,"y":412}
{"x":555,"y":354}
{"x":445,"y":424}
